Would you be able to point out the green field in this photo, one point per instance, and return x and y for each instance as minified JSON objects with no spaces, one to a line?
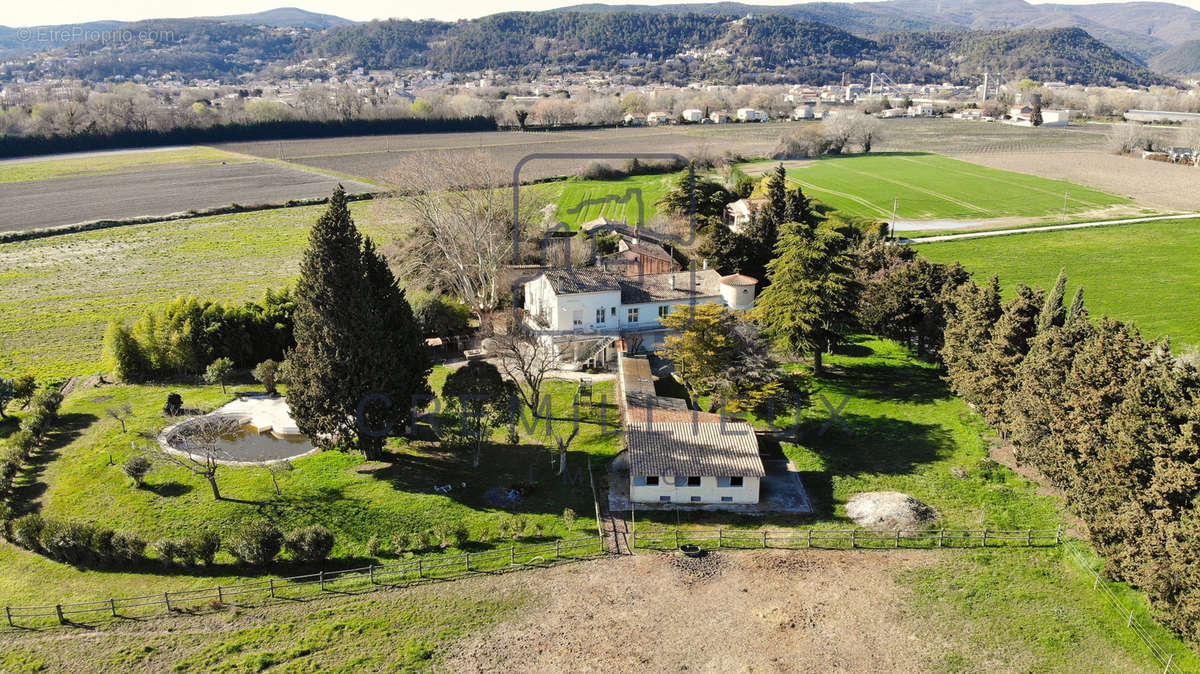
{"x":111,"y":162}
{"x":629,"y":199}
{"x":931,"y":187}
{"x":60,"y":291}
{"x":1148,"y":273}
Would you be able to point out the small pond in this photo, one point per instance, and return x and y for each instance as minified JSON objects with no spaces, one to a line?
{"x":250,"y":446}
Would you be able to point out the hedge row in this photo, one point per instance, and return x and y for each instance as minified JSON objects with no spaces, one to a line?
{"x":35,"y":426}
{"x":19,"y":146}
{"x":87,"y":545}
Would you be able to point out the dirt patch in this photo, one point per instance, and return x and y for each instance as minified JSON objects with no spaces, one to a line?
{"x":758,"y":610}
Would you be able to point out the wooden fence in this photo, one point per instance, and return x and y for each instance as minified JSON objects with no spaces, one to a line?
{"x":1162,"y":655}
{"x":297,"y":587}
{"x":661,"y":539}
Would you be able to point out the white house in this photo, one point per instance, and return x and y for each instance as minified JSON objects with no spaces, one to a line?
{"x":692,"y":115}
{"x":635,"y":119}
{"x":920,"y":110}
{"x":739,"y":213}
{"x":751,"y":115}
{"x":591,"y":313}
{"x":803,"y":112}
{"x":658,"y":117}
{"x":719,"y":117}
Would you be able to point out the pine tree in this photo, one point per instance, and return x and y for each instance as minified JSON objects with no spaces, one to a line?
{"x":359,"y":358}
{"x":810,"y":302}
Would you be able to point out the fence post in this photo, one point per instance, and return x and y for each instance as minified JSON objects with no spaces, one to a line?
{"x":764,"y":538}
{"x":322,"y":577}
{"x":167,"y":601}
{"x":810,"y":538}
{"x":985,"y":538}
{"x":1058,"y":536}
{"x":112,"y":606}
{"x":676,"y":538}
{"x":853,"y":538}
{"x":372,"y":572}
{"x":512,"y":555}
{"x":557,"y":549}
{"x":272,"y":583}
{"x":220,"y":595}
{"x":720,"y":537}
{"x":420,"y":572}
{"x":941,"y":535}
{"x":8,"y":614}
{"x":897,"y":539}
{"x":1029,"y":539}
{"x":58,"y":610}
{"x":468,"y":560}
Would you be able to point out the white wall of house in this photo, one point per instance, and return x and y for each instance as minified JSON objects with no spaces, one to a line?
{"x":712,"y":489}
{"x":574,"y":311}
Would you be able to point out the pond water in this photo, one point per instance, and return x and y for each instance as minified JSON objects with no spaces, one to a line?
{"x":249,"y":445}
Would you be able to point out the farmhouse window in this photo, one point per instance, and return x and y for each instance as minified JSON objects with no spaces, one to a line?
{"x":693,"y":481}
{"x":664,"y":498}
{"x":695,"y":499}
{"x":727,"y":499}
{"x":633,"y":316}
{"x":663,"y":311}
{"x":577,"y":317}
{"x":600,"y":315}
{"x":729,"y":481}
{"x":651,"y":480}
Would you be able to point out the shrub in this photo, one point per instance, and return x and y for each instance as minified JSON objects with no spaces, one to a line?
{"x":23,"y":442}
{"x":442,"y":531}
{"x":267,"y":373}
{"x":137,"y":467}
{"x":167,"y":550}
{"x":102,"y":545}
{"x":374,"y":547}
{"x":420,"y":540}
{"x":205,"y":545}
{"x":309,"y":544}
{"x":460,"y":535}
{"x":256,"y":544}
{"x":439,"y":317}
{"x":569,"y":518}
{"x":174,"y":405}
{"x":598,"y":170}
{"x":128,"y":548}
{"x":67,"y":542}
{"x":27,"y":531}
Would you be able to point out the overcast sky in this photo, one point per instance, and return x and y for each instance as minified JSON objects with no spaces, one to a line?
{"x":18,"y":13}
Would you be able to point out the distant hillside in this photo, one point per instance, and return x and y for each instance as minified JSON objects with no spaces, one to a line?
{"x":1138,"y":29}
{"x":286,"y":17}
{"x":686,"y":47}
{"x":1182,"y":59}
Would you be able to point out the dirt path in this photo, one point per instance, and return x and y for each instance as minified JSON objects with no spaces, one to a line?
{"x":748,"y":611}
{"x":1050,"y":228}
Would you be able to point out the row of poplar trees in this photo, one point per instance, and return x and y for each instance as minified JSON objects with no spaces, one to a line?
{"x":1110,"y":418}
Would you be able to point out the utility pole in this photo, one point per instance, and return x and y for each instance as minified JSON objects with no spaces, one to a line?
{"x":985,"y":87}
{"x":872,"y":92}
{"x":1066,"y":203}
{"x":895,"y":207}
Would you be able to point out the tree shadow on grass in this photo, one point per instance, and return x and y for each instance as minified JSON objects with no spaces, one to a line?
{"x":169,"y":489}
{"x":875,"y":444}
{"x":29,"y":487}
{"x":881,"y":381}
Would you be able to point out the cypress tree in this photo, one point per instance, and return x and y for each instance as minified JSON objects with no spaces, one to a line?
{"x":1010,"y":340}
{"x":359,"y":358}
{"x":1053,"y":312}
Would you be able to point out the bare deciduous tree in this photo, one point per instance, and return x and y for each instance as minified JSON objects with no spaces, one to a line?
{"x":563,"y":446}
{"x":120,"y":413}
{"x":526,"y":357}
{"x":461,"y":209}
{"x":196,"y":448}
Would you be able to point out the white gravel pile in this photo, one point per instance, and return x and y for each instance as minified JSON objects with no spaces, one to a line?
{"x":889,"y":510}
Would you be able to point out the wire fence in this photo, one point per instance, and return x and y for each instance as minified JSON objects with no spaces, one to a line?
{"x":1132,"y":621}
{"x":344,"y":581}
{"x":846,"y":538}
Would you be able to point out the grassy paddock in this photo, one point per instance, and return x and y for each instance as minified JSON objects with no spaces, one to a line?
{"x":1148,"y":273}
{"x":59,"y":292}
{"x":112,"y":162}
{"x":931,"y":186}
{"x":616,"y":199}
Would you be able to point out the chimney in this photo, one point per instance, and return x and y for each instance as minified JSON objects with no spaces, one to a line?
{"x":672,"y":281}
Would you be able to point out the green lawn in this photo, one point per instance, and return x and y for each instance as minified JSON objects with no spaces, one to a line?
{"x":59,"y":292}
{"x":1148,"y":273}
{"x":112,"y":162}
{"x":931,"y":187}
{"x":80,"y":478}
{"x":630,"y":199}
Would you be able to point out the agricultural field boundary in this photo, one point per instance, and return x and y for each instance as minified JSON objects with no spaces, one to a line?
{"x":1049,"y":228}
